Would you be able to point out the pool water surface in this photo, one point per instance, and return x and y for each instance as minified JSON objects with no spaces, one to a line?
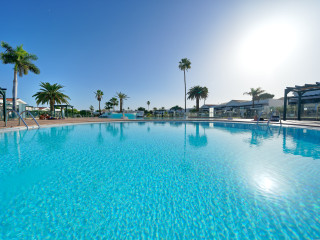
{"x":167,"y":180}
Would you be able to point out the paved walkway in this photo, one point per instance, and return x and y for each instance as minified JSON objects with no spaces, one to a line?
{"x":31,"y":123}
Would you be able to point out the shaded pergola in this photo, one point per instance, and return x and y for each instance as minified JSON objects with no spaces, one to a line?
{"x":4,"y":97}
{"x":63,"y":106}
{"x":300,"y":90}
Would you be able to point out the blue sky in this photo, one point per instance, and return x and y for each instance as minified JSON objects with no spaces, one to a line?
{"x":135,"y":46}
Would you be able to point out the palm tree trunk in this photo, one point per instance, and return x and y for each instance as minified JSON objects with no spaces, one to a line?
{"x":52,"y":107}
{"x":15,"y":90}
{"x":252,"y":103}
{"x":120,"y":105}
{"x":197,"y":104}
{"x":99,"y":108}
{"x":185,"y":91}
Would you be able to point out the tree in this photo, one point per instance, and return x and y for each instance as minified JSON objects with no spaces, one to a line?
{"x":141,"y":109}
{"x":121,"y":97}
{"x":184,"y":65}
{"x":265,"y":96}
{"x":148,"y":103}
{"x":254,"y":93}
{"x":99,"y":95}
{"x":154,"y":109}
{"x":198,"y":92}
{"x":176,"y":108}
{"x":91,"y":108}
{"x":52,"y":94}
{"x":108,"y":105}
{"x":114,"y":102}
{"x":22,"y":61}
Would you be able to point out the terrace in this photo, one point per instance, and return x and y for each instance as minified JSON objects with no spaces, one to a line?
{"x":309,"y":93}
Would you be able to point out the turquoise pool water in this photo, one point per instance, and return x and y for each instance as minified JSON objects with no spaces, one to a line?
{"x":153,"y":180}
{"x":118,"y":115}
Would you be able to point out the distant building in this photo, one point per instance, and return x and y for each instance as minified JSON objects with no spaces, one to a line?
{"x":241,"y":107}
{"x":31,"y":108}
{"x":21,"y":105}
{"x":308,"y":97}
{"x":206,"y":107}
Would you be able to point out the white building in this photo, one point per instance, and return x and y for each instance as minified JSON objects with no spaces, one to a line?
{"x":21,"y":105}
{"x":241,"y":107}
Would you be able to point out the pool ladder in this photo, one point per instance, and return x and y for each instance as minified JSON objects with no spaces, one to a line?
{"x":270,"y":116}
{"x":21,"y":118}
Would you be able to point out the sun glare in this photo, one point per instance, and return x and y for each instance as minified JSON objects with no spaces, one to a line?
{"x":267,"y":46}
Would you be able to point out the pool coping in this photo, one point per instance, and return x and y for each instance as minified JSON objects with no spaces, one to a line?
{"x":295,"y":125}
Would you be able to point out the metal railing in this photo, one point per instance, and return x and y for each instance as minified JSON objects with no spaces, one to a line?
{"x":19,"y":117}
{"x":32,"y":117}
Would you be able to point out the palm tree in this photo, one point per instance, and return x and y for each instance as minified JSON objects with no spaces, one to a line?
{"x":148,"y":103}
{"x":198,"y":92}
{"x":22,"y":61}
{"x":184,"y":65}
{"x":114,"y":102}
{"x":52,"y":94}
{"x":254,"y":92}
{"x":99,"y":95}
{"x":121,"y":97}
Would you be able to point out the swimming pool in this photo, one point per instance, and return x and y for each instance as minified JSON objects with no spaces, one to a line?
{"x":160,"y":180}
{"x":118,"y":115}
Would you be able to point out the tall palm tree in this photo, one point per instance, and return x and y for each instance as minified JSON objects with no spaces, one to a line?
{"x":184,"y":65}
{"x":114,"y":102}
{"x":254,"y":93}
{"x":99,"y":95}
{"x":198,"y":92}
{"x":121,"y":97}
{"x":22,"y":61}
{"x":148,"y":103}
{"x":51,"y":93}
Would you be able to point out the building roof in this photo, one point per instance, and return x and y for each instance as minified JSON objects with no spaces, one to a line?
{"x":304,"y":88}
{"x":245,"y":103}
{"x":11,"y":99}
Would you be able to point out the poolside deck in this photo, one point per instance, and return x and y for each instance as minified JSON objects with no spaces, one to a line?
{"x":31,"y":123}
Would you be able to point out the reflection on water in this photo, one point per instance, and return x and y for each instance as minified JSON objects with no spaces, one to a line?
{"x":295,"y":140}
{"x":116,"y":129}
{"x":197,"y":139}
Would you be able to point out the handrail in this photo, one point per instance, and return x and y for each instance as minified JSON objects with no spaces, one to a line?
{"x":270,"y":118}
{"x":32,"y":117}
{"x":19,"y":117}
{"x":259,"y":117}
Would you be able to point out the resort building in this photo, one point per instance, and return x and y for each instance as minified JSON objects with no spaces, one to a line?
{"x":310,"y":102}
{"x":304,"y":103}
{"x":31,"y":108}
{"x":21,"y":105}
{"x":242,"y":108}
